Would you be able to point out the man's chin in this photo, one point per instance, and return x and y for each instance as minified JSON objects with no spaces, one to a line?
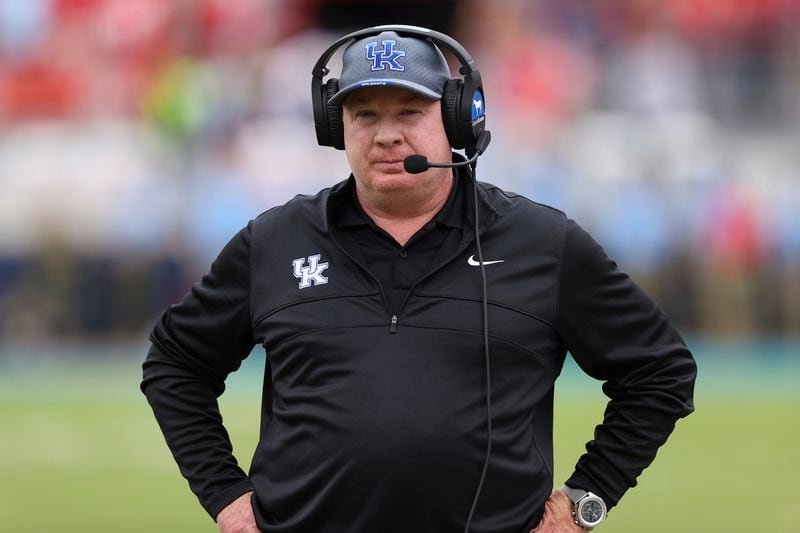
{"x":400,"y":183}
{"x":391,"y":181}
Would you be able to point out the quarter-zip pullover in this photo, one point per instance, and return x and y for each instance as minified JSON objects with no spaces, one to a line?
{"x":373,"y":417}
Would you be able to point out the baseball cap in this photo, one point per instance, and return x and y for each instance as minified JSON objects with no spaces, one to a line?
{"x":390,"y":60}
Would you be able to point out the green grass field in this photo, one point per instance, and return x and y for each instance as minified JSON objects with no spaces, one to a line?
{"x":80,"y":450}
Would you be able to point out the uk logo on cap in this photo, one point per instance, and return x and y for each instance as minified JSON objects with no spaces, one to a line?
{"x":385,"y":58}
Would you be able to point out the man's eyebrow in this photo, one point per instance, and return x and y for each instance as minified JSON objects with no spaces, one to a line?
{"x":355,"y":99}
{"x":414,"y":98}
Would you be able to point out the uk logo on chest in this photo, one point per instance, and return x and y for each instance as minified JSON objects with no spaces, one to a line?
{"x":311,"y":274}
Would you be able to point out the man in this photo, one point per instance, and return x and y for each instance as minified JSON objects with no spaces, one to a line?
{"x":368,"y":300}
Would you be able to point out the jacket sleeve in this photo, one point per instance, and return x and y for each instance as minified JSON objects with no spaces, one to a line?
{"x":617,"y":334}
{"x":195,"y":345}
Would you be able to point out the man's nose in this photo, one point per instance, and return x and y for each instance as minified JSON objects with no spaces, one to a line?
{"x":389,"y":133}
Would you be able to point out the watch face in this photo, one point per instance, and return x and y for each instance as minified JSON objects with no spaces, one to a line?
{"x":592,"y":511}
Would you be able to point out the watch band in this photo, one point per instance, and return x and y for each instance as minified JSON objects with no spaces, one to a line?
{"x":574,"y":494}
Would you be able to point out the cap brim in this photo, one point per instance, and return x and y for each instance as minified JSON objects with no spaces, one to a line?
{"x":338,"y":98}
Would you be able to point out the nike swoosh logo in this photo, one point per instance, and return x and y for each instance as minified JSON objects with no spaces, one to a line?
{"x":472,"y":262}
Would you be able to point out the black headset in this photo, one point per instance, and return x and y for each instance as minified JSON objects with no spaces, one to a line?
{"x":457,"y":97}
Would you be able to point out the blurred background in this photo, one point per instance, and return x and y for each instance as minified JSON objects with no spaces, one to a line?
{"x":137,"y":136}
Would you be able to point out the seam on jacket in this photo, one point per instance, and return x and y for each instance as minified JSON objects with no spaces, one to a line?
{"x":541,"y":457}
{"x":482,"y":190}
{"x":559,"y":271}
{"x":317,"y":299}
{"x":317,"y":330}
{"x":490,"y":302}
{"x":250,"y":270}
{"x":297,"y":198}
{"x":513,"y":195}
{"x":470,"y":332}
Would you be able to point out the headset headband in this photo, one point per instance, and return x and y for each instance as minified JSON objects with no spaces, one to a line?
{"x":467,"y":63}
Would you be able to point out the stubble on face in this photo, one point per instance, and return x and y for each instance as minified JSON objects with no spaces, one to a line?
{"x":382,"y":127}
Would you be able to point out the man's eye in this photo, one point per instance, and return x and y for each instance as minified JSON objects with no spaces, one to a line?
{"x":365,"y":114}
{"x":408,"y":112}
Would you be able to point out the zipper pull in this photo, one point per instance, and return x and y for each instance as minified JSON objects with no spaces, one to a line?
{"x":393,"y":327}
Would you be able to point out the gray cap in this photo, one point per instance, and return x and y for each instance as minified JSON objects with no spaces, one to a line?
{"x":394,"y":61}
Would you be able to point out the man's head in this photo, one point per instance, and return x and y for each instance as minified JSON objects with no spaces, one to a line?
{"x":401,"y":56}
{"x":390,"y":91}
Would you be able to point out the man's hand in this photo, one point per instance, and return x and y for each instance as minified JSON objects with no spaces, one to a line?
{"x":557,"y":516}
{"x":238,"y":516}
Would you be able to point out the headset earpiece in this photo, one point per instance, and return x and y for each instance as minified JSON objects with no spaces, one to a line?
{"x":327,"y":119}
{"x":335,"y":125}
{"x":451,"y":98}
{"x":470,"y":116}
{"x":319,"y":101}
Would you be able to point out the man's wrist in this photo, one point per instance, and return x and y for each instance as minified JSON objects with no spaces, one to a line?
{"x":588,"y":509}
{"x":228,"y":496}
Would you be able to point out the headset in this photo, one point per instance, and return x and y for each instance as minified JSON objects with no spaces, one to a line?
{"x":462,"y":131}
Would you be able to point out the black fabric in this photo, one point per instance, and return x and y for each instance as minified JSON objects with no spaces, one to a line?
{"x":373,"y":426}
{"x":399,"y":267}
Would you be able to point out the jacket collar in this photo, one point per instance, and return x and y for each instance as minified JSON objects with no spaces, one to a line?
{"x":348,"y":211}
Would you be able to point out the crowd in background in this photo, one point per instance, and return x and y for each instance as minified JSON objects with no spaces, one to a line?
{"x":137,"y":137}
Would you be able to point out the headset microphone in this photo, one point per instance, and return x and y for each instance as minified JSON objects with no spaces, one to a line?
{"x":414,"y":164}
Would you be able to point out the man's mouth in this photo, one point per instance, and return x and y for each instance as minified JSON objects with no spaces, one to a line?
{"x":390,"y":165}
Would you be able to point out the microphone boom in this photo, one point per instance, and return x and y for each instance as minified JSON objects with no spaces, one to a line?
{"x":415,"y":164}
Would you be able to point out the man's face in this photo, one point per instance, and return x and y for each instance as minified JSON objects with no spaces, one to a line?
{"x":383,"y":126}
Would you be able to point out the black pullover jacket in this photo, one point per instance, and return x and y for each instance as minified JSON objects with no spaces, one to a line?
{"x":374,"y":422}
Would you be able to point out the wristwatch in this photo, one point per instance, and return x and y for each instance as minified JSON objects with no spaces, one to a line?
{"x":588,"y":509}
